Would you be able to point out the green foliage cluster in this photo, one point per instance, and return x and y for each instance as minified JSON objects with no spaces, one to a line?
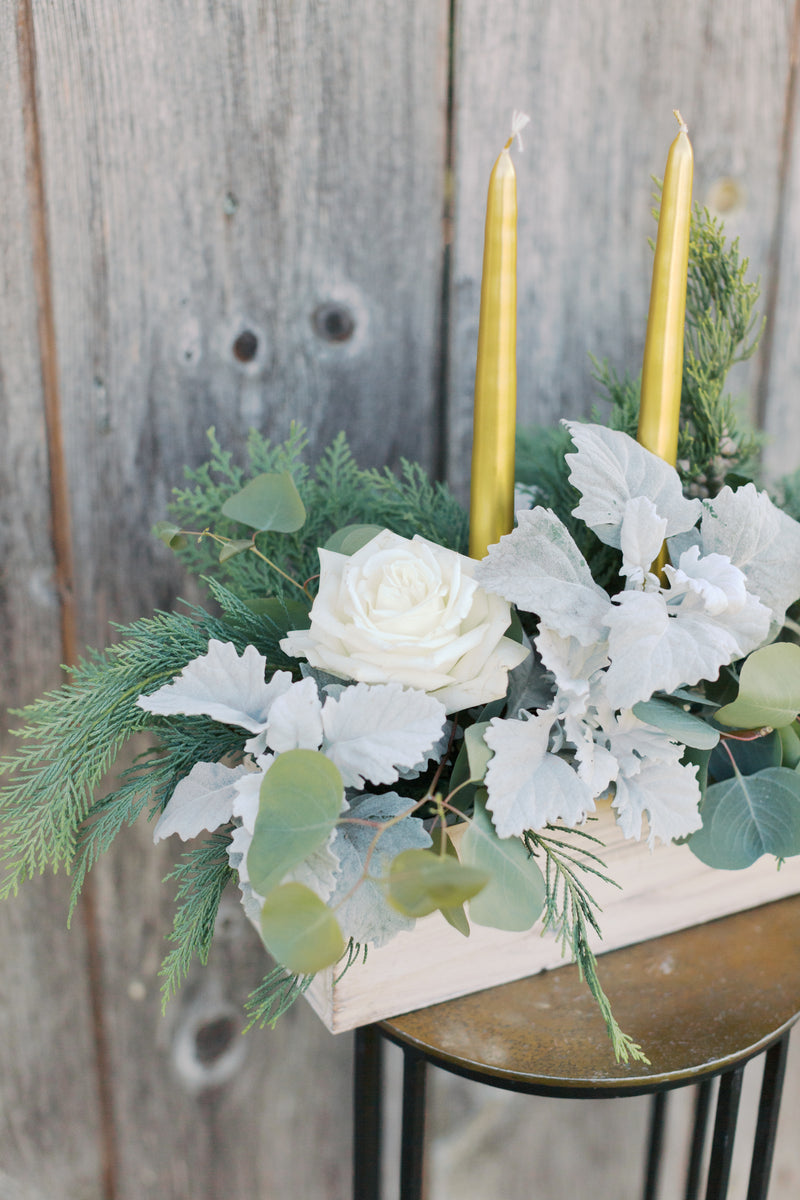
{"x":336,"y":492}
{"x":722,"y":329}
{"x":50,"y":815}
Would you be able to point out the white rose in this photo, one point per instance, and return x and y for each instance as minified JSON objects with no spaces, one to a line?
{"x":409,"y":612}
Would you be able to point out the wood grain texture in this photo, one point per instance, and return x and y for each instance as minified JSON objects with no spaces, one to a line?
{"x":600,"y":83}
{"x":213,"y":171}
{"x":45,"y":1149}
{"x":781,"y":363}
{"x":220,"y":169}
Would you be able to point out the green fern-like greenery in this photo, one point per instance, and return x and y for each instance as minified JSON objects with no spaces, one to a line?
{"x":335,"y":491}
{"x":202,"y":875}
{"x":570,"y":910}
{"x":49,"y":814}
{"x":722,"y":329}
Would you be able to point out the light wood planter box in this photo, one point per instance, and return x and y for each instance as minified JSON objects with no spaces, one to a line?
{"x":661,"y":892}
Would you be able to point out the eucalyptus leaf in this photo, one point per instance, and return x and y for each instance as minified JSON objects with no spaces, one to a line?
{"x":769,"y":689}
{"x":351,"y":538}
{"x":170,"y":534}
{"x":455,"y":915}
{"x":268,"y":502}
{"x":421,"y":881}
{"x":299,"y":930}
{"x":747,"y":816}
{"x":461,"y":790}
{"x":231,"y":549}
{"x":300,"y":801}
{"x":790,"y":745}
{"x":478,"y":753}
{"x":677,"y":723}
{"x":750,"y":756}
{"x":515,"y":894}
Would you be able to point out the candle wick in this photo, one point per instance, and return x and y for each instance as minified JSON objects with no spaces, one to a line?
{"x":518,"y":122}
{"x":680,"y":120}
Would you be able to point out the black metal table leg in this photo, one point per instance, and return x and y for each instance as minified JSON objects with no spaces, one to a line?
{"x":719,"y":1168}
{"x":412,"y":1153}
{"x":767,"y":1124}
{"x":655,"y":1145}
{"x":702,"y":1107}
{"x":367,"y":1113}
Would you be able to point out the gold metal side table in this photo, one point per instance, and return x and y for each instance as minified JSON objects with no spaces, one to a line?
{"x":703,"y":1003}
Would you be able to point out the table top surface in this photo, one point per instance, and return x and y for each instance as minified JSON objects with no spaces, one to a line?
{"x":698,"y":1002}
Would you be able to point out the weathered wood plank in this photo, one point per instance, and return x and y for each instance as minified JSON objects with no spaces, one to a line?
{"x":600,"y":83}
{"x":46,"y":1148}
{"x":781,"y":363}
{"x":213,"y":172}
{"x":225,"y":170}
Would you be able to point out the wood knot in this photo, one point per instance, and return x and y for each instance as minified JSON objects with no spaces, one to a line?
{"x":208,"y":1047}
{"x":245,"y":346}
{"x":333,"y":321}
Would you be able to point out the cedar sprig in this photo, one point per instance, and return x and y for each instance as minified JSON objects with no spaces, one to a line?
{"x":335,"y":491}
{"x":570,"y":909}
{"x":202,"y":874}
{"x":72,"y":736}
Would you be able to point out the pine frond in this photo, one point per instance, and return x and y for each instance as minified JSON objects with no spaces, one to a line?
{"x":275,"y":994}
{"x":335,"y":491}
{"x":202,"y":875}
{"x":570,"y":909}
{"x":72,"y":736}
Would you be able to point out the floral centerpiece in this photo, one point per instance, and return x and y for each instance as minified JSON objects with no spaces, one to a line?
{"x":363,"y":686}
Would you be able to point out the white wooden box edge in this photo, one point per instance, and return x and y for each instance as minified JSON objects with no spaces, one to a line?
{"x":661,"y":891}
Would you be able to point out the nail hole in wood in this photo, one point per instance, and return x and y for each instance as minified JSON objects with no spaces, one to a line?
{"x":333,"y":322}
{"x":213,"y":1039}
{"x":245,"y":348}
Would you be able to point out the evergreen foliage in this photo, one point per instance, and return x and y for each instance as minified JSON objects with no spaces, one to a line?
{"x":570,"y":910}
{"x":202,"y":875}
{"x":722,"y":329}
{"x":336,"y":492}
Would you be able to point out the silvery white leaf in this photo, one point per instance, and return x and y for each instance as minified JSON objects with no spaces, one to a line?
{"x":223,"y":686}
{"x":712,"y":579}
{"x":295,"y":719}
{"x":571,"y":664}
{"x":319,"y":871}
{"x":365,"y":915}
{"x":248,"y":792}
{"x":435,"y":752}
{"x":252,"y":902}
{"x":527,"y":785}
{"x":610,"y":469}
{"x":539,"y":568}
{"x":641,"y":538}
{"x":596,"y":765}
{"x":654,"y":647}
{"x":667,"y":792}
{"x":203,"y":799}
{"x":371,"y":732}
{"x":759,"y":539}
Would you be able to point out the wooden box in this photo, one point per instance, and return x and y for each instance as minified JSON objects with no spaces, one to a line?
{"x":662,"y":891}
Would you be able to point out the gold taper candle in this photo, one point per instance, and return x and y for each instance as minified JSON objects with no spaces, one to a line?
{"x":491,"y":506}
{"x":662,"y":370}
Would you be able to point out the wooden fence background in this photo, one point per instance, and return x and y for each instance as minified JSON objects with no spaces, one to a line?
{"x":175,"y":174}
